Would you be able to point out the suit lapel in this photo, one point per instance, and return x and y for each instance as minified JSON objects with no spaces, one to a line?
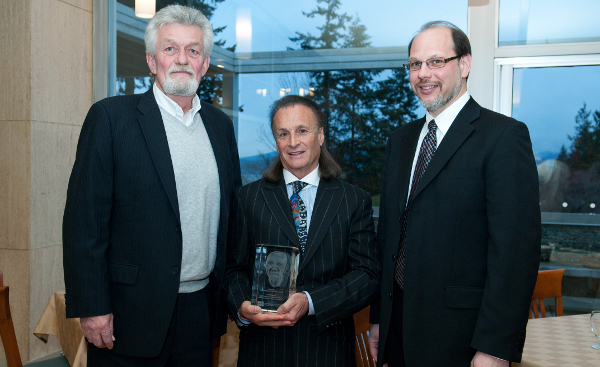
{"x":153,"y":128}
{"x":410,"y":139}
{"x":327,"y":203}
{"x":459,"y":131}
{"x":275,"y":195}
{"x":220,"y":150}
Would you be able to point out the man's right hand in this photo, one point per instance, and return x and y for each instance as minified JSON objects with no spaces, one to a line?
{"x":98,"y":330}
{"x":255,"y":315}
{"x":374,"y":340}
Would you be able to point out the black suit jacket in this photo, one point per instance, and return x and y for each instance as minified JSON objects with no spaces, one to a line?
{"x":339,"y":269}
{"x":473,"y":240}
{"x":121,"y":228}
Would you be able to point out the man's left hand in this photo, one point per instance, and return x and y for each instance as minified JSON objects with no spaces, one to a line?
{"x":485,"y":360}
{"x":294,"y":308}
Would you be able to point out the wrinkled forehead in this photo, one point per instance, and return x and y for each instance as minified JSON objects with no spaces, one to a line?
{"x":180,"y":34}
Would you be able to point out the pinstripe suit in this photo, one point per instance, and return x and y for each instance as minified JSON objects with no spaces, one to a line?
{"x":339,"y":269}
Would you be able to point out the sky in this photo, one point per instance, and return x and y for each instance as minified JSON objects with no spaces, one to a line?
{"x":388,"y":22}
{"x":528,"y":20}
{"x":547,"y":100}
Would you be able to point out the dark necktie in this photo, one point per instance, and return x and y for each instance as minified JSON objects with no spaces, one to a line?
{"x":299,"y":213}
{"x":427,"y":150}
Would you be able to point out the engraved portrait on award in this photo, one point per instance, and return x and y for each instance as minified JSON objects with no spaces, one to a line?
{"x":275,"y":272}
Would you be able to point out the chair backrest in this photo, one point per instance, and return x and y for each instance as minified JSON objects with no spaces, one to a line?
{"x":548,"y":285}
{"x":7,"y":329}
{"x":216,"y":351}
{"x":361,"y":327}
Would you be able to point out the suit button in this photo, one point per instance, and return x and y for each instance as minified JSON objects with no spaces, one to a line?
{"x":394,"y":258}
{"x":178,"y":229}
{"x":300,"y":282}
{"x":175,"y":270}
{"x":390,"y":295}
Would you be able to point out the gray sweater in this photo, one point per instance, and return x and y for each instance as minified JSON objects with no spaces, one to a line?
{"x":199,"y":195}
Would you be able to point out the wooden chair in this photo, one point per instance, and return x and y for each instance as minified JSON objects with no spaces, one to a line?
{"x":216,"y":351}
{"x":9,"y":339}
{"x":361,"y":326}
{"x":7,"y":329}
{"x":548,"y":285}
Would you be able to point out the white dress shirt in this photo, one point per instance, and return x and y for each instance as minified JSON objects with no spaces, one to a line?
{"x":308,"y":195}
{"x":173,"y":108}
{"x":443,"y":122}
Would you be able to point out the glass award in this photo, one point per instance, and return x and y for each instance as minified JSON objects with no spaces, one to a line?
{"x":275,"y":272}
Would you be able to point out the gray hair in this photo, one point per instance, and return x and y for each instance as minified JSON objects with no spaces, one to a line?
{"x":177,"y":14}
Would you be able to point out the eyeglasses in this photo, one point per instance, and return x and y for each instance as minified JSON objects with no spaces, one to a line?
{"x":433,"y":63}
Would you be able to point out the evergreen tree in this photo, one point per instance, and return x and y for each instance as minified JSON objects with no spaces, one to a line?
{"x":562,"y":155}
{"x":396,"y":101}
{"x":354,"y":115}
{"x":361,"y":112}
{"x":583,"y":160}
{"x":331,"y":37}
{"x":585,"y":147}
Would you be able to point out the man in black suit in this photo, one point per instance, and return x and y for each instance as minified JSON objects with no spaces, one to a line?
{"x":148,"y":205}
{"x":459,"y":223}
{"x":332,"y":226}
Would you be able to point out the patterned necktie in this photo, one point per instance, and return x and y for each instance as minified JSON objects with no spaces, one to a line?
{"x":299,"y":213}
{"x":427,"y":150}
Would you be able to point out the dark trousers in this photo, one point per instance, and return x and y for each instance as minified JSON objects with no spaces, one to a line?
{"x":188,"y":341}
{"x":394,"y":351}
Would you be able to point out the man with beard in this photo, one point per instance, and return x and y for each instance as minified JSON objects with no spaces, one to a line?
{"x":148,"y":204}
{"x":459,"y":222}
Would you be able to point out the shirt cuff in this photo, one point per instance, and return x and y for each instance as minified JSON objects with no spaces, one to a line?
{"x":243,"y":321}
{"x":311,"y":308}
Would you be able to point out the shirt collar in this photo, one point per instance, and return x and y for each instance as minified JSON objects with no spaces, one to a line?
{"x":172,"y":107}
{"x":311,"y":179}
{"x":445,"y":119}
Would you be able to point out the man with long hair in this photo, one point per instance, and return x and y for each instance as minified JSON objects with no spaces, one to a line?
{"x":301,"y":202}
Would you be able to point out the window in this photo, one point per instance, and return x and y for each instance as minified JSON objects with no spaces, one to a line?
{"x":356,"y":52}
{"x":534,"y":22}
{"x":555,"y":97}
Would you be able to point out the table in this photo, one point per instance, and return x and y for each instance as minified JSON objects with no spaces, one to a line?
{"x":563,"y":341}
{"x":68,"y":331}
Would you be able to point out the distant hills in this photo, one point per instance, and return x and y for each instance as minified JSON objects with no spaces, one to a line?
{"x":543,"y":156}
{"x":253,"y":166}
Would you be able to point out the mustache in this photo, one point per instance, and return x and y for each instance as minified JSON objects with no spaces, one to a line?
{"x":428,"y":82}
{"x":178,"y":68}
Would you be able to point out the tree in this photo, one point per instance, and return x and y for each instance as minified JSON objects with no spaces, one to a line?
{"x":354,"y":114}
{"x":361,"y":110}
{"x":562,"y":155}
{"x":583,"y":160}
{"x":585,"y":147}
{"x":330,"y":37}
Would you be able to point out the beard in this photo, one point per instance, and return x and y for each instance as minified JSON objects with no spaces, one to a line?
{"x":181,"y":86}
{"x":440,"y":101}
